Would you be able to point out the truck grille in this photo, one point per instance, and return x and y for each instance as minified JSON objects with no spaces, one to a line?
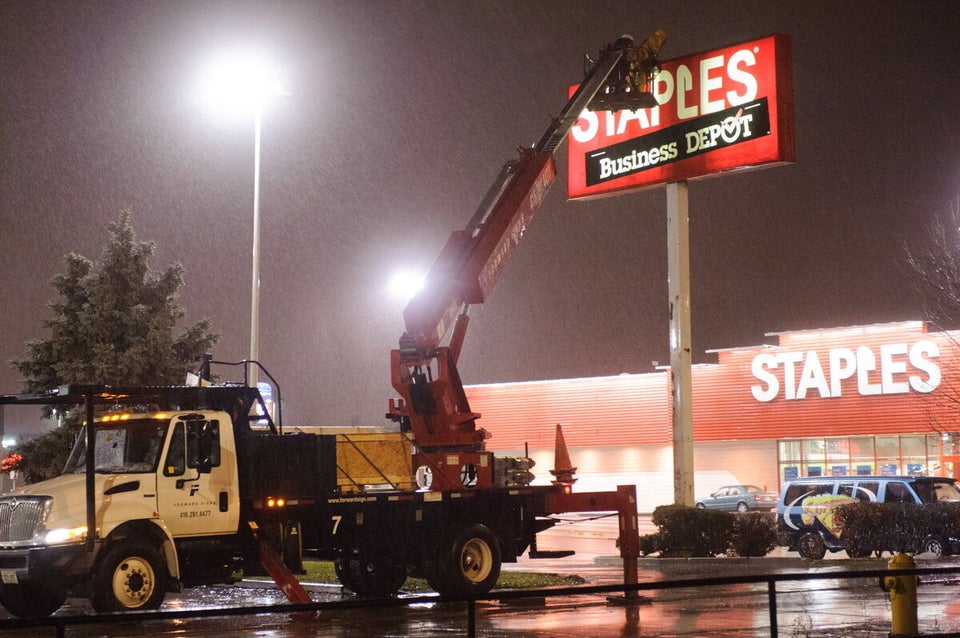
{"x":21,"y":517}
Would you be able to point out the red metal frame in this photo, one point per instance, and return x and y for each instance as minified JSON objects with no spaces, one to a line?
{"x":624,"y":502}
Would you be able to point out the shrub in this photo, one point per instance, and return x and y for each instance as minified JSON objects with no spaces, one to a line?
{"x":894,"y":527}
{"x":692,"y":532}
{"x":753,"y":533}
{"x":651,"y":544}
{"x":689,"y":531}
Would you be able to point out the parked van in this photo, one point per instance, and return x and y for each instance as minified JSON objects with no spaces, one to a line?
{"x":806,"y":506}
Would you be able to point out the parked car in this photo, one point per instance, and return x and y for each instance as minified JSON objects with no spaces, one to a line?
{"x":739,"y":498}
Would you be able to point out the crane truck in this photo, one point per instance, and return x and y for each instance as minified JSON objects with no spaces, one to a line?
{"x":172,"y":487}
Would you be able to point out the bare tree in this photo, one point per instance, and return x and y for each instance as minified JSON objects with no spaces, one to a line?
{"x":937,"y":270}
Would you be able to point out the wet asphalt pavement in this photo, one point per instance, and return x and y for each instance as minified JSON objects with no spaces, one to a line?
{"x":830,"y":607}
{"x":823,"y":608}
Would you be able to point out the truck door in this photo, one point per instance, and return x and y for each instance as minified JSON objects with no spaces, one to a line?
{"x":196,"y":484}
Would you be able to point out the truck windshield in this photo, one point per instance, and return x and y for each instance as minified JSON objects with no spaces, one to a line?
{"x":121,"y":447}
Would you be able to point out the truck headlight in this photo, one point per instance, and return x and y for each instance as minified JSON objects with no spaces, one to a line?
{"x":65,"y":535}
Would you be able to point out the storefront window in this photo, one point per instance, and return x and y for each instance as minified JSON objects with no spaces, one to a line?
{"x":813,"y":447}
{"x":790,"y":457}
{"x":814,"y":457}
{"x":933,"y":455}
{"x":914,"y":454}
{"x":951,"y":443}
{"x":789,"y":450}
{"x":838,"y":456}
{"x":913,"y":446}
{"x":888,"y":454}
{"x":888,"y":447}
{"x":914,"y":449}
{"x":862,"y":455}
{"x":951,"y":447}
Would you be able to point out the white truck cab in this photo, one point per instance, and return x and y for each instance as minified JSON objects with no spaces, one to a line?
{"x":160,"y":479}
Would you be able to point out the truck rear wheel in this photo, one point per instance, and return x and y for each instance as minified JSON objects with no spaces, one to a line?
{"x":467,"y":564}
{"x":374,"y":577}
{"x":29,"y":600}
{"x":129,"y":577}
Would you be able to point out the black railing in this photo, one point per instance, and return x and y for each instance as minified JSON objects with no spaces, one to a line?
{"x":629,"y":593}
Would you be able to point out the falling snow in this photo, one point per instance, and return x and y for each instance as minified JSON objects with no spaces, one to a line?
{"x":398,"y":117}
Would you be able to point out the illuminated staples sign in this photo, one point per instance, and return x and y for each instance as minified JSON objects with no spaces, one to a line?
{"x":719,"y":111}
{"x":893,"y":368}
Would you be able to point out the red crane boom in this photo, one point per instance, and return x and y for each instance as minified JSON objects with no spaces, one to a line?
{"x":433,"y":404}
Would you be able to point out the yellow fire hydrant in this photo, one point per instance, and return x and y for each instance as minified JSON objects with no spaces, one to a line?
{"x":903,"y":596}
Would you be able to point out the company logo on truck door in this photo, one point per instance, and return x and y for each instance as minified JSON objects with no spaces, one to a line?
{"x":892,"y":368}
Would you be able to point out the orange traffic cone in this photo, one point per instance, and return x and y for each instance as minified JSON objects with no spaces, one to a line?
{"x":563,"y":470}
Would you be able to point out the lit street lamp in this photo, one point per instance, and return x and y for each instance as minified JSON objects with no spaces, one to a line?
{"x":234,"y":84}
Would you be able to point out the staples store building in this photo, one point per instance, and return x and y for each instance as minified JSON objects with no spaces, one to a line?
{"x":879,"y":399}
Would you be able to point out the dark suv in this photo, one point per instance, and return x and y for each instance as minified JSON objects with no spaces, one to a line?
{"x":806,"y":506}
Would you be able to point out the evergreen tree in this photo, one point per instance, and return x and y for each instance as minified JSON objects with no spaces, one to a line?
{"x":113,"y":324}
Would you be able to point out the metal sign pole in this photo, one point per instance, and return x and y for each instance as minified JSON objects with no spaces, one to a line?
{"x":91,"y":470}
{"x":678,"y":276}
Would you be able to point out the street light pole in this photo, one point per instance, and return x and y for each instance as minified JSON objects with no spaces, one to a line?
{"x":232,"y":84}
{"x":255,"y":279}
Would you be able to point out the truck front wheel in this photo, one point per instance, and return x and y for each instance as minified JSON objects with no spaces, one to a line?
{"x":129,"y":577}
{"x":30,"y":601}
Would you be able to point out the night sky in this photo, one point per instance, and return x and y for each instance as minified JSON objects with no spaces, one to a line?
{"x":398,"y":118}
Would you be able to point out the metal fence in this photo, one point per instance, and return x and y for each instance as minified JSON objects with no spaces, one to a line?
{"x":629,"y":594}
